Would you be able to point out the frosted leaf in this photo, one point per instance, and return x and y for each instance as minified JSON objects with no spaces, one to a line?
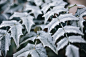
{"x":80,"y":11}
{"x":29,"y":39}
{"x":38,"y":2}
{"x":50,"y":13}
{"x":4,"y":42}
{"x":76,"y":39}
{"x":72,"y":51}
{"x":35,"y":51}
{"x":54,"y":4}
{"x":61,"y":44}
{"x":17,"y":14}
{"x":62,"y":18}
{"x":28,"y":22}
{"x":35,"y":10}
{"x":47,"y":40}
{"x":15,"y":28}
{"x":68,"y":29}
{"x":27,"y":19}
{"x":0,"y":52}
{"x":80,"y":23}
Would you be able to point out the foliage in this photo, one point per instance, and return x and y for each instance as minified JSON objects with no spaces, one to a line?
{"x":34,"y":25}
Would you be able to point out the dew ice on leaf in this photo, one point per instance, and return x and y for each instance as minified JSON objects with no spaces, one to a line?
{"x":14,"y":9}
{"x":31,"y":0}
{"x":15,"y":28}
{"x":53,"y":4}
{"x":27,"y":37}
{"x":27,"y":19}
{"x":80,"y":11}
{"x":61,"y":18}
{"x":38,"y":2}
{"x":47,"y":6}
{"x":17,"y":14}
{"x":7,"y":6}
{"x":52,"y":12}
{"x":72,"y":51}
{"x":76,"y":39}
{"x":2,"y":1}
{"x":4,"y":41}
{"x":46,"y":40}
{"x":34,"y":9}
{"x":68,"y":29}
{"x":73,"y":39}
{"x":35,"y":51}
{"x":46,"y":1}
{"x":28,"y":22}
{"x":80,"y":23}
{"x":61,"y":44}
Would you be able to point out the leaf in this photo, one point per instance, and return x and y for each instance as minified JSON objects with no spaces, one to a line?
{"x":80,"y":11}
{"x":14,"y":9}
{"x":50,"y":13}
{"x":35,"y":10}
{"x":2,"y":2}
{"x":28,"y":22}
{"x":15,"y":28}
{"x":0,"y":52}
{"x":76,"y":39}
{"x":38,"y":2}
{"x":47,"y":40}
{"x":17,"y":14}
{"x":61,"y":44}
{"x":35,"y":51}
{"x":6,"y":7}
{"x":29,"y":39}
{"x":0,"y":47}
{"x":80,"y":23}
{"x":72,"y":51}
{"x":31,"y":0}
{"x":73,"y":39}
{"x":46,"y":6}
{"x":62,"y":18}
{"x":4,"y":42}
{"x":46,"y":1}
{"x":67,"y":29}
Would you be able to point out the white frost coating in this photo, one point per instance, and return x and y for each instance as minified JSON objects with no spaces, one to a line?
{"x":35,"y":51}
{"x":72,"y":51}
{"x":80,"y":23}
{"x":17,"y":14}
{"x":28,"y":22}
{"x":15,"y":28}
{"x":61,"y":44}
{"x":47,"y":40}
{"x":67,"y":29}
{"x":76,"y":39}
{"x":62,"y":18}
{"x":36,"y":10}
